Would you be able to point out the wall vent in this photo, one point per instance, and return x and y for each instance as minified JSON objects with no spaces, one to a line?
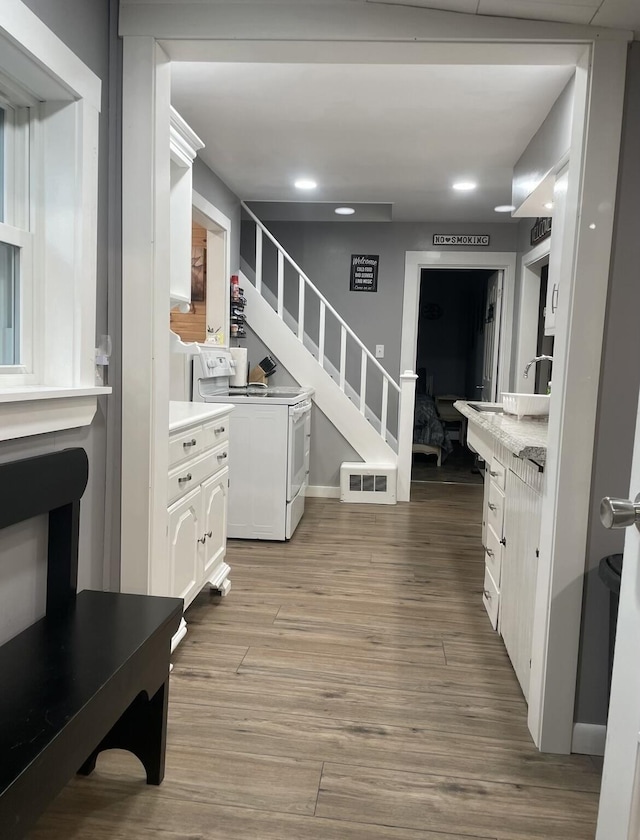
{"x":368,"y":483}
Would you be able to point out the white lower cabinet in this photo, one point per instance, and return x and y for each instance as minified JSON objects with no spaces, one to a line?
{"x":185,"y":531}
{"x":519,"y":573}
{"x":511,"y":534}
{"x":198,"y":492}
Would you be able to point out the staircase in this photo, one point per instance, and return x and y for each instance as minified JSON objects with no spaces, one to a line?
{"x":372,"y":411}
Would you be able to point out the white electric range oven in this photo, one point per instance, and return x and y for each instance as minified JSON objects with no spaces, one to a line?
{"x":269,"y":444}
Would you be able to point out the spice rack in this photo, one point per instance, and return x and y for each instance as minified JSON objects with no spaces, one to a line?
{"x":238,"y":302}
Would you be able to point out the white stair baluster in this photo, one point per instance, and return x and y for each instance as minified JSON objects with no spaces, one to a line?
{"x":343,"y":356}
{"x":384,"y":409}
{"x":301,"y":308}
{"x":280,"y":283}
{"x":363,"y":381}
{"x":259,"y":259}
{"x":321,"y":329}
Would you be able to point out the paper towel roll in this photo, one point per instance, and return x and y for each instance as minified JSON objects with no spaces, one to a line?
{"x":239,"y":356}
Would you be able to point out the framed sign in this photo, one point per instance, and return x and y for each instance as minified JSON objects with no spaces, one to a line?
{"x":541,"y":230}
{"x":364,"y":273}
{"x":481,"y":239}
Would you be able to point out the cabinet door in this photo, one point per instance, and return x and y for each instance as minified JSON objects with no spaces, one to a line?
{"x":555,"y":253}
{"x":185,"y":558}
{"x":518,"y":574}
{"x":215,"y":494}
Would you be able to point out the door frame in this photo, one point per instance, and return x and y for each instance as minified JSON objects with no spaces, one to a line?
{"x":151,"y":41}
{"x":527,"y":335}
{"x":415,"y":261}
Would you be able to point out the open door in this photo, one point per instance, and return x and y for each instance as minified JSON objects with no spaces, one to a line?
{"x":493,"y":313}
{"x":619,"y":815}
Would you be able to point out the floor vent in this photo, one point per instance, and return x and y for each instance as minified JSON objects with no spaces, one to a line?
{"x":373,"y":484}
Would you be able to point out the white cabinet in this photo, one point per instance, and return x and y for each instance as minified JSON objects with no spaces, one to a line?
{"x":511,"y":532}
{"x":519,"y":573}
{"x":197,"y":506}
{"x":555,"y":253}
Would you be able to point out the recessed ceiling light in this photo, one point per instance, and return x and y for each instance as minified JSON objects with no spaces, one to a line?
{"x":344,"y":211}
{"x":465,"y":186}
{"x":548,"y":205}
{"x":305,"y":184}
{"x":504,"y":208}
{"x":592,"y":226}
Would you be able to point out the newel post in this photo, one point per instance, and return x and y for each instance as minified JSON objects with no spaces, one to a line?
{"x":405,"y":433}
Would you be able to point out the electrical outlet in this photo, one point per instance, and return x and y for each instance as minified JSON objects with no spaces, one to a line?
{"x":379,"y":351}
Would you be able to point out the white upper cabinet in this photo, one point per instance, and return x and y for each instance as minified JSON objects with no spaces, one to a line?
{"x":184,"y":147}
{"x":555,"y":254}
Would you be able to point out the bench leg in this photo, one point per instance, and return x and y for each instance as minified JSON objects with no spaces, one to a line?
{"x":142,"y":730}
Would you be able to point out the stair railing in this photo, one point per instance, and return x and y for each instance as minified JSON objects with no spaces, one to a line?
{"x":305,"y":285}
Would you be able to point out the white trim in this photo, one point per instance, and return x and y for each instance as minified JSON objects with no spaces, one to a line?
{"x":588,"y":738}
{"x":205,"y":213}
{"x":416,"y":260}
{"x":55,"y":69}
{"x":527,"y":342}
{"x":36,"y":412}
{"x":317,"y":491}
{"x":183,"y":141}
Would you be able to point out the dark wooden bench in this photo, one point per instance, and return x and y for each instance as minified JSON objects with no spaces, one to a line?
{"x":89,"y":676}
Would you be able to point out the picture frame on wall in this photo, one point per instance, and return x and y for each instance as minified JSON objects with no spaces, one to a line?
{"x":198,"y":274}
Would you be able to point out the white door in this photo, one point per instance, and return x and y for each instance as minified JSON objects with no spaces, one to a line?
{"x":492,"y":318}
{"x":619,"y":816}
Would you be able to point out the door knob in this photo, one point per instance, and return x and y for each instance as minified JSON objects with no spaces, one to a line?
{"x":620,"y":513}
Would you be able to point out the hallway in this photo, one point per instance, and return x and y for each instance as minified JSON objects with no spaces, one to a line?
{"x":349,"y":688}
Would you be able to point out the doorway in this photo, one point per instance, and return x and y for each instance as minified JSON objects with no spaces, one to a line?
{"x":457,"y":358}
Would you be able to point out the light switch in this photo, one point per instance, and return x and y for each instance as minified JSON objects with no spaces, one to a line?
{"x":379,"y":351}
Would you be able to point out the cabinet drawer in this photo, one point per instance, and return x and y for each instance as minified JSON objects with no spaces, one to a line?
{"x":186,"y":444}
{"x":193,"y":473}
{"x":216,"y":432}
{"x":493,"y":555}
{"x":491,"y":598}
{"x":498,"y":473}
{"x":495,"y":509}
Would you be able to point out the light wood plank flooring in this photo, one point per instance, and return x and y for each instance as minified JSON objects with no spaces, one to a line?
{"x":350,"y":687}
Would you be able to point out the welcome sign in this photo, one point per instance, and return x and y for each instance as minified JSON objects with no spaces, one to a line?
{"x":364,"y":273}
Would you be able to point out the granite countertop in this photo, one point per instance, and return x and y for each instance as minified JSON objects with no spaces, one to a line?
{"x":184,"y":414}
{"x":526,"y":438}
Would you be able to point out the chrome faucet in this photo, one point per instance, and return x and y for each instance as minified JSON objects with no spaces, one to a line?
{"x":534,"y":361}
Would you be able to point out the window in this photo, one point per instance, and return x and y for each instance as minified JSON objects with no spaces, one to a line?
{"x":49,"y":117}
{"x":16,"y":240}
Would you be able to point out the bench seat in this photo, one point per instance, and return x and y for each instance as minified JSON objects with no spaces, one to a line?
{"x":88,"y":677}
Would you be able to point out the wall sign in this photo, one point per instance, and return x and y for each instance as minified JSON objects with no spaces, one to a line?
{"x":461,"y":239}
{"x":364,"y":273}
{"x":541,"y":230}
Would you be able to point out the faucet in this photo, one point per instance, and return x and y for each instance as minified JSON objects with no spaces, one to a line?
{"x":533,"y":362}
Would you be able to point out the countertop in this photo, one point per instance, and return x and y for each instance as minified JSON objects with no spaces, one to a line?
{"x":526,"y":438}
{"x":183,"y":414}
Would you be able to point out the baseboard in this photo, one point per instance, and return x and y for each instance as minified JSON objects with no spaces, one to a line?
{"x":319,"y":492}
{"x":588,"y":738}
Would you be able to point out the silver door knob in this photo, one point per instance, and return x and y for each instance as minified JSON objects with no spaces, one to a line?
{"x":620,"y":513}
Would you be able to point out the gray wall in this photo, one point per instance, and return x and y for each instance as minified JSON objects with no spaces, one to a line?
{"x":549,"y":145}
{"x":618,"y":399}
{"x":85,"y":28}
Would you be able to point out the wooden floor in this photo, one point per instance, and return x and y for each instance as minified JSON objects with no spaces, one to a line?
{"x":350,"y":687}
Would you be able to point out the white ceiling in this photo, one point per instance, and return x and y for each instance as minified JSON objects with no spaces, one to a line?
{"x":369,"y":133}
{"x":617,"y":14}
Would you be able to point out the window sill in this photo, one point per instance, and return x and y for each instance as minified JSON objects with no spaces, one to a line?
{"x":38,"y":409}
